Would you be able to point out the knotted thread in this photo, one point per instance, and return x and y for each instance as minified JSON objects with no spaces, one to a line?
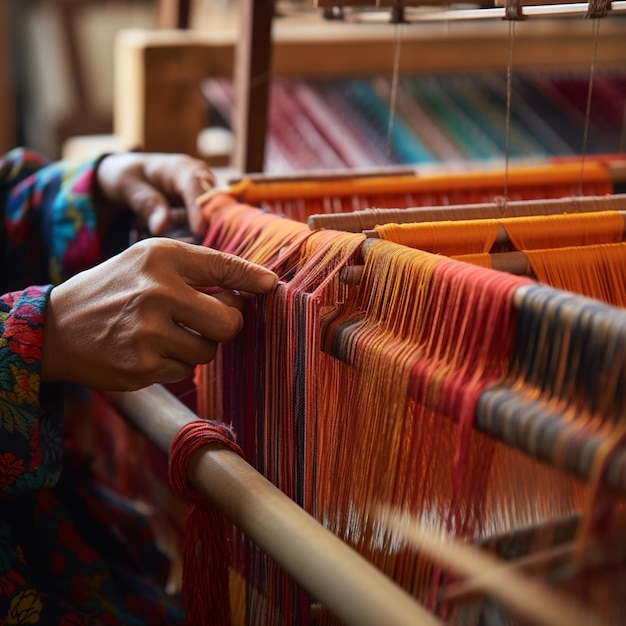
{"x":206,"y":554}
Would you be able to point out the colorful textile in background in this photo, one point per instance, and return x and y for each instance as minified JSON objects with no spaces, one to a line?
{"x":344,"y":123}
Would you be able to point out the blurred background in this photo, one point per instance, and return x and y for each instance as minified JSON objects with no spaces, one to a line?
{"x":56,"y":64}
{"x":58,"y":97}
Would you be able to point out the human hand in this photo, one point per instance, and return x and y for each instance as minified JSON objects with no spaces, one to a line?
{"x":150,"y":184}
{"x":144,"y":316}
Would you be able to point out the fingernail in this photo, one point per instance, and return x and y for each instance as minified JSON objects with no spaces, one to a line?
{"x":268,"y":281}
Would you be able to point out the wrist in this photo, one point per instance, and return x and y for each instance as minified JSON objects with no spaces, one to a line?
{"x":51,"y":353}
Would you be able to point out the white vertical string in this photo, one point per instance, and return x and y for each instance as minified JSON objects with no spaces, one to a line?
{"x":394,"y":89}
{"x":596,"y":37}
{"x":509,"y":92}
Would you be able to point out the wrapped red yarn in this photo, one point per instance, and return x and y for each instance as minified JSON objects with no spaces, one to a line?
{"x":206,"y":559}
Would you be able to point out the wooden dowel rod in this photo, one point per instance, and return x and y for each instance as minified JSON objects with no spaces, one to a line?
{"x":368,"y":219}
{"x":541,"y":560}
{"x":616,"y":169}
{"x":502,"y":237}
{"x":526,"y":597}
{"x":348,"y":585}
{"x":489,"y":13}
{"x":325,"y":175}
{"x":510,"y":262}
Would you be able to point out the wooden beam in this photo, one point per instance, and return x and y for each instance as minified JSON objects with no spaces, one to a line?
{"x":8,"y":136}
{"x":253,"y":73}
{"x":174,"y":13}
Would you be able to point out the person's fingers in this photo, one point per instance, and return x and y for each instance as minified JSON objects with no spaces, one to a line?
{"x":183,"y":178}
{"x":214,"y":318}
{"x":233,"y":299}
{"x":147,"y":202}
{"x":187,"y":346}
{"x":179,"y":176}
{"x":202,"y":180}
{"x":150,"y":184}
{"x":201,"y":266}
{"x":158,"y":218}
{"x":170,"y":370}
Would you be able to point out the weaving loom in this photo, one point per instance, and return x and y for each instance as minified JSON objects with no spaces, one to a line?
{"x":332,"y":402}
{"x":324,"y":379}
{"x":399,"y":396}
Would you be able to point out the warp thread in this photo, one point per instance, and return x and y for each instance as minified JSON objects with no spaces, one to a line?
{"x":206,"y":554}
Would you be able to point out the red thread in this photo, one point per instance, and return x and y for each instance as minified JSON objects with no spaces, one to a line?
{"x":205,"y":589}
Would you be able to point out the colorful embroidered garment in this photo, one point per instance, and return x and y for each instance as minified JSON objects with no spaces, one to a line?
{"x":71,"y":551}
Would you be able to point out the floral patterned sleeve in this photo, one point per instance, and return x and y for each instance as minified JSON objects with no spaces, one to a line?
{"x":48,"y":234}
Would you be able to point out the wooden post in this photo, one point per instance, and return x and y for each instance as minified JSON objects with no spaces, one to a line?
{"x":253,"y":72}
{"x":174,"y":13}
{"x":7,"y":116}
